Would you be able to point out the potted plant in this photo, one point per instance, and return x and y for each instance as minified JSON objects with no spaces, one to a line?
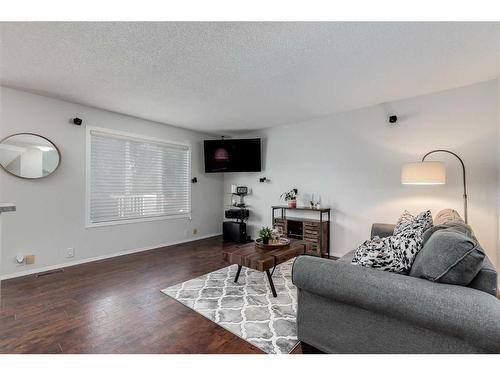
{"x":290,"y":198}
{"x":265,"y":233}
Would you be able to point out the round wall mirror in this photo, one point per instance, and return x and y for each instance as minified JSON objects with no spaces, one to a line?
{"x":28,"y":155}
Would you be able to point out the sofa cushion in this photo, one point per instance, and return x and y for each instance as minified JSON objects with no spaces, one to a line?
{"x":461,"y":227}
{"x":449,"y":256}
{"x":449,"y":218}
{"x":447,"y":215}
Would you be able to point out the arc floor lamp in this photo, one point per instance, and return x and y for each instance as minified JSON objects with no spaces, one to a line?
{"x":431,"y":173}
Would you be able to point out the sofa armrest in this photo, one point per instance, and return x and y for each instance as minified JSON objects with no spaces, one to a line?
{"x":462,"y":312}
{"x":382,"y":230}
{"x":487,"y":278}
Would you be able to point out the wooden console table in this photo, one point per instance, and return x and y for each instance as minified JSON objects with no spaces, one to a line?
{"x":314,"y":231}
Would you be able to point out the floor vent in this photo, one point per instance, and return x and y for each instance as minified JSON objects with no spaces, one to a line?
{"x":49,"y":273}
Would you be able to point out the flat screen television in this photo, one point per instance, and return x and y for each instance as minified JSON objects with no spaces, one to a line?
{"x":232,"y":155}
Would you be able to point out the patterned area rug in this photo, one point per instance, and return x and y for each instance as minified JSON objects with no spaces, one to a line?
{"x":246,"y":308}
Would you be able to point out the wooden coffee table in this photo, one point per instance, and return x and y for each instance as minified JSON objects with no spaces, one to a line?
{"x":253,"y":257}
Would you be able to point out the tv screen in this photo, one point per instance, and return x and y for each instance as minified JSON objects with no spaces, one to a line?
{"x":232,"y":155}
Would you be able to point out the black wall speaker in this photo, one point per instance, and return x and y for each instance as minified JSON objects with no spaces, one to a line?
{"x":77,"y":121}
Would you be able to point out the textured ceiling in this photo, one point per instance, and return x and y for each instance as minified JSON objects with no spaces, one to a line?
{"x":219,"y":77}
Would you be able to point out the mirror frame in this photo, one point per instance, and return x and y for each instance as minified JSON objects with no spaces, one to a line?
{"x":41,"y":136}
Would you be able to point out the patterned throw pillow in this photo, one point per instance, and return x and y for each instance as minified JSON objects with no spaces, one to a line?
{"x":405,"y":219}
{"x":397,"y":252}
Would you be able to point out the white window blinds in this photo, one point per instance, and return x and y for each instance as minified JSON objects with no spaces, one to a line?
{"x":135,"y":178}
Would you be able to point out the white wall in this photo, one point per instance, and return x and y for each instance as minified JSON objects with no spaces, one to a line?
{"x":353,"y":161}
{"x":50,"y":211}
{"x":498,"y":148}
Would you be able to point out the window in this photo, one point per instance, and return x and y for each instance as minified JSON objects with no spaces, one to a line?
{"x":132,"y":178}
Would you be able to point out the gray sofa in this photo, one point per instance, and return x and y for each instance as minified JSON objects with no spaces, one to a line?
{"x":345,"y":308}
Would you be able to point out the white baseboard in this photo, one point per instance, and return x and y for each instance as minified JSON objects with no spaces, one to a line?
{"x":101,"y":257}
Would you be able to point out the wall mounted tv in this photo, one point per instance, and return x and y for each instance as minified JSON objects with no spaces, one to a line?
{"x":232,"y":155}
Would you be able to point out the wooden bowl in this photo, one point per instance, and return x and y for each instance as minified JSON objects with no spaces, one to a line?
{"x":283,"y":242}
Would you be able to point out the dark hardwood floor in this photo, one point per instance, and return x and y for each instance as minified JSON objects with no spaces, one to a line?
{"x":115,"y":306}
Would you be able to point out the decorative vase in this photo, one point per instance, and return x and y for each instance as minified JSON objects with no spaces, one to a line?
{"x":292,"y":203}
{"x":265,"y":240}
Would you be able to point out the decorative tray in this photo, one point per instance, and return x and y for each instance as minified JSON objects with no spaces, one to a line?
{"x":282,"y":242}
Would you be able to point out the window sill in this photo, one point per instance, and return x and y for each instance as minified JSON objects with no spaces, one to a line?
{"x":138,"y":220}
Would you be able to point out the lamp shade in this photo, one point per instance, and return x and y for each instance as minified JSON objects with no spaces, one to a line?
{"x":423,"y":173}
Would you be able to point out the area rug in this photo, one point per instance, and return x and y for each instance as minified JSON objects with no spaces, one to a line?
{"x":246,"y":308}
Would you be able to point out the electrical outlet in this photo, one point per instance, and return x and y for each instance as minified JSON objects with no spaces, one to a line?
{"x":20,"y":259}
{"x":30,"y":259}
{"x":195,"y":231}
{"x":70,"y":252}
